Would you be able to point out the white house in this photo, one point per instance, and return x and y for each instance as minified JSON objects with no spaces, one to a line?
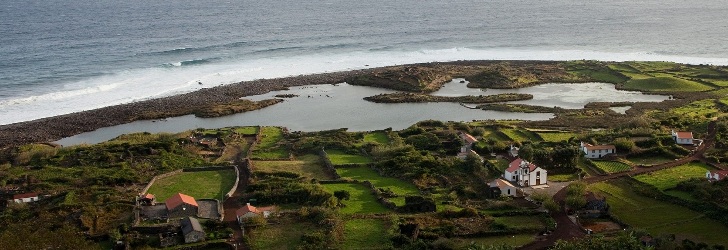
{"x":464,"y":152}
{"x":683,"y":138}
{"x":716,"y":175}
{"x":593,"y":152}
{"x":249,"y":211}
{"x":468,"y":140}
{"x":513,"y":151}
{"x":505,"y":187}
{"x":26,"y":197}
{"x":525,"y":173}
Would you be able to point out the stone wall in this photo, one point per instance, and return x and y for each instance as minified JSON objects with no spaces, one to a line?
{"x":328,"y":166}
{"x":146,"y":188}
{"x":237,"y":180}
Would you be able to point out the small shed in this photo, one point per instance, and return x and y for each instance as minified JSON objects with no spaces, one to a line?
{"x":26,"y":197}
{"x":192,"y":230}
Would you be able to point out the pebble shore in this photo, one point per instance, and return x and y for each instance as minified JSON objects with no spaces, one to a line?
{"x":58,"y":127}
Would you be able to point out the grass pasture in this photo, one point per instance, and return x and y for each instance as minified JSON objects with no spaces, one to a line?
{"x":285,"y":235}
{"x":399,"y":187}
{"x":308,"y":166}
{"x":658,"y":217}
{"x":378,"y":137}
{"x":612,"y":166}
{"x":698,"y":110}
{"x":722,"y":83}
{"x":652,"y":160}
{"x":366,"y":234}
{"x":362,"y":201}
{"x":670,"y":177}
{"x":338,"y":157}
{"x":246,"y":130}
{"x":269,"y":146}
{"x":556,"y":136}
{"x":203,"y":184}
{"x":521,"y":222}
{"x":510,"y":240}
{"x":665,"y":84}
{"x":519,"y":135}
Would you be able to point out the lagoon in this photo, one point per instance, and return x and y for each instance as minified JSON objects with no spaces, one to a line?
{"x":324,"y":107}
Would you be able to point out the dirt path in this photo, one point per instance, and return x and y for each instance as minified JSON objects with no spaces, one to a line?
{"x":567,"y":229}
{"x":232,"y":204}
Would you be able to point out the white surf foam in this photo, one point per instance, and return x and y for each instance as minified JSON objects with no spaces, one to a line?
{"x":135,"y":85}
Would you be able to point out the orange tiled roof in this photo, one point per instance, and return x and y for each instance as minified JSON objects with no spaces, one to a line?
{"x":179,"y":199}
{"x":684,"y":135}
{"x":25,"y":195}
{"x":247,"y":208}
{"x":515,"y":164}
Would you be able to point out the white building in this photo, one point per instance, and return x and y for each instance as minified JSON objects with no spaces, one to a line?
{"x":249,"y":211}
{"x":683,"y":138}
{"x":525,"y":173}
{"x":506,"y":188}
{"x":27,"y":197}
{"x":598,"y":151}
{"x":716,"y":175}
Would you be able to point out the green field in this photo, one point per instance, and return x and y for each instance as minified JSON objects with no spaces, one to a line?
{"x":612,"y":166}
{"x":278,"y":236}
{"x":699,"y":110}
{"x":203,"y":184}
{"x":722,"y":83}
{"x":365,"y":234}
{"x":269,"y":147}
{"x":658,"y":217}
{"x":669,"y":178}
{"x":647,"y":161}
{"x":397,"y":186}
{"x":520,"y":136}
{"x":510,"y":240}
{"x":338,"y":157}
{"x":307,"y":165}
{"x":246,"y":130}
{"x":556,"y":136}
{"x":378,"y":137}
{"x":496,"y":136}
{"x":521,"y":222}
{"x":665,"y":84}
{"x":361,"y":201}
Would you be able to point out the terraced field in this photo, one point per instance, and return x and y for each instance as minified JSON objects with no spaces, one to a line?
{"x":612,"y":166}
{"x":669,"y":178}
{"x":658,"y":217}
{"x":397,"y":186}
{"x":361,"y":201}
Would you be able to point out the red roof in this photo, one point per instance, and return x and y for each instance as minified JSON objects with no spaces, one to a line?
{"x":25,"y":195}
{"x":149,"y":196}
{"x":179,"y":199}
{"x":516,"y":164}
{"x":720,"y":173}
{"x":684,"y":135}
{"x":468,"y":138}
{"x":599,"y":147}
{"x":500,"y":183}
{"x":246,"y":209}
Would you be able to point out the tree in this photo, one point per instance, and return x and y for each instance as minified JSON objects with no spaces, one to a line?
{"x":342,"y":195}
{"x":623,"y":144}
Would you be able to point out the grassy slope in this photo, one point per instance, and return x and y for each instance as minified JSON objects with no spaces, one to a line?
{"x":339,"y":157}
{"x":361,"y":201}
{"x":658,"y":217}
{"x":378,"y":137}
{"x":397,"y":186}
{"x":612,"y":166}
{"x":669,"y":178}
{"x":365,"y":234}
{"x":306,"y":165}
{"x":204,"y":184}
{"x":268,"y":147}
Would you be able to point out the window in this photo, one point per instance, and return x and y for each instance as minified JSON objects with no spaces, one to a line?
{"x":509,"y":191}
{"x":514,"y":177}
{"x":538,"y":174}
{"x":594,"y":151}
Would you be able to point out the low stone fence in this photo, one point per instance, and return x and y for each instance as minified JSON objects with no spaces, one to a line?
{"x":210,"y":168}
{"x":384,"y":201}
{"x":237,"y":181}
{"x":328,"y":166}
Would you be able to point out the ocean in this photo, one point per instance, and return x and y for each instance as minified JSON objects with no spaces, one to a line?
{"x":58,"y":57}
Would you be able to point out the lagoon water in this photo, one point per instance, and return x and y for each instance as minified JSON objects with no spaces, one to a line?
{"x":323,"y":107}
{"x":62,"y":56}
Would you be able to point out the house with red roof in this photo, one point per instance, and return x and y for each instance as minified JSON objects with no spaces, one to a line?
{"x":682,"y":137}
{"x":716,"y":175}
{"x":505,"y":188}
{"x":26,"y":197}
{"x":181,"y":205}
{"x":468,"y":139}
{"x":147,"y":199}
{"x":525,"y":173}
{"x":249,"y":211}
{"x":598,"y":151}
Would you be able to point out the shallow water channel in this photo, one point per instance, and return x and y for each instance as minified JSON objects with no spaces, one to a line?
{"x":323,"y":107}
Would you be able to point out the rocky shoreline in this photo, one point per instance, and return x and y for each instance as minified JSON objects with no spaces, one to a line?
{"x":58,"y":127}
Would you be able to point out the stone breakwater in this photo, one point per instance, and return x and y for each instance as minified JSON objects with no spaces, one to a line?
{"x":58,"y":127}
